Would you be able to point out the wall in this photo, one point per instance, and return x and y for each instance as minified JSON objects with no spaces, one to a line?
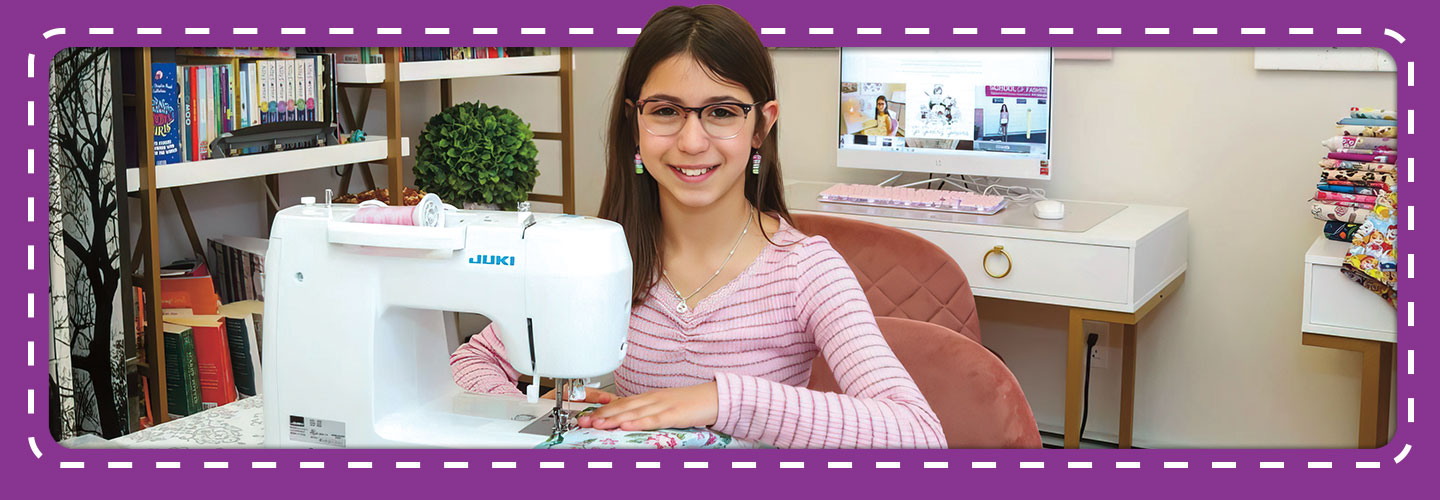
{"x":1220,"y":364}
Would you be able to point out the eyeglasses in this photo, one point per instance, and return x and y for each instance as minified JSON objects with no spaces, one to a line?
{"x":722,"y":120}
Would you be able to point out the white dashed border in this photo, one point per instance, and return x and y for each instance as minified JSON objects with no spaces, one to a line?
{"x":764,"y":31}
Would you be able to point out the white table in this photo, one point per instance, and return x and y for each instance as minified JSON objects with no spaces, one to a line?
{"x":1116,"y":271}
{"x":1342,"y":314}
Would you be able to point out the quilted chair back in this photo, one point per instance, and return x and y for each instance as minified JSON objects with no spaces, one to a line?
{"x":903,"y":275}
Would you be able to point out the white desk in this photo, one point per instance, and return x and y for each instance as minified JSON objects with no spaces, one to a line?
{"x":1116,"y":272}
{"x":1341,"y":314}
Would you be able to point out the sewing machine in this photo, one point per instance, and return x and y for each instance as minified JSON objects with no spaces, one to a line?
{"x":357,"y":330}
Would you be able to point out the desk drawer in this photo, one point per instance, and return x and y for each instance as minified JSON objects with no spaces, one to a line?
{"x":1334,"y":302}
{"x":1047,"y":268}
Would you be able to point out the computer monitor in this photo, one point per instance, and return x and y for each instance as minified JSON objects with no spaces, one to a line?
{"x":970,"y":111}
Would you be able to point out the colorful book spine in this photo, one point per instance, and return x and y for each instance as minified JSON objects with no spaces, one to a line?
{"x":164,"y":107}
{"x":192,"y":110}
{"x":217,"y":104}
{"x":182,"y":373}
{"x":212,"y":354}
{"x":226,"y":98}
{"x":254,"y":94}
{"x":203,"y":101}
{"x":292,"y":90}
{"x":181,"y":84}
{"x":261,"y":70}
{"x":282,"y":90}
{"x":310,"y":93}
{"x":242,"y":111}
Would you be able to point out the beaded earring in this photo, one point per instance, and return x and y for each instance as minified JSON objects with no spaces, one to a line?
{"x":755,"y":164}
{"x":639,"y":165}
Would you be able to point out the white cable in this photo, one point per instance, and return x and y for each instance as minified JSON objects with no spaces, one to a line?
{"x":992,"y":186}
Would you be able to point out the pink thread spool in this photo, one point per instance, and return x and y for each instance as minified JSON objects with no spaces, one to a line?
{"x":426,"y":214}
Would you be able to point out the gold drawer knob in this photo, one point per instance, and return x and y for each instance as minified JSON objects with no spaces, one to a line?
{"x":985,"y":262}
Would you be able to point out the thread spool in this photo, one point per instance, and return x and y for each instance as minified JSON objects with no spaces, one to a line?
{"x":427,"y":214}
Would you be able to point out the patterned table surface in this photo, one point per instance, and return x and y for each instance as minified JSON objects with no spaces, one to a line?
{"x":242,"y":425}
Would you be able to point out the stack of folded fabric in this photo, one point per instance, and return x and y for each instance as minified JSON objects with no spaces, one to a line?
{"x":1359,"y":169}
{"x":1371,"y":259}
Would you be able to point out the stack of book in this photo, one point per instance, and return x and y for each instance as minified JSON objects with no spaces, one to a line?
{"x":239,"y":264}
{"x":193,"y":104}
{"x":212,"y":351}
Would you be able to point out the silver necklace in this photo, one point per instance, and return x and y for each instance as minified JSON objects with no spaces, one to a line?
{"x":682,"y":308}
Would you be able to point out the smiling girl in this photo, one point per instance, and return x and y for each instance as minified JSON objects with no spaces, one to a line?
{"x":731,"y":303}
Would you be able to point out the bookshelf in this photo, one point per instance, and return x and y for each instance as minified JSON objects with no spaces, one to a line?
{"x":147,"y":181}
{"x":355,"y":74}
{"x":249,"y":166}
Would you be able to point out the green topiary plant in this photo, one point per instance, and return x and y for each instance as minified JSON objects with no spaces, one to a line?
{"x":477,"y":153}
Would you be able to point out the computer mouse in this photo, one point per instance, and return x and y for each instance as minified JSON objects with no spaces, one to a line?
{"x":1049,"y":209}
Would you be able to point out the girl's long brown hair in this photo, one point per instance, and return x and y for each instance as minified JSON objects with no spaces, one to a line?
{"x":727,"y":47}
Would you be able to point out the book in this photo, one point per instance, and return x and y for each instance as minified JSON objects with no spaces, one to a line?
{"x":292,"y":90}
{"x":348,"y":55}
{"x":217,"y":106}
{"x":212,"y":357}
{"x":254,"y":94}
{"x":147,"y":419}
{"x":282,"y":90}
{"x":242,"y":118}
{"x":227,"y":120}
{"x":251,"y":251}
{"x":192,"y":110}
{"x":181,"y":84}
{"x":182,"y":372}
{"x":221,"y":271}
{"x":333,"y":99}
{"x":164,"y":106}
{"x":202,"y":101}
{"x":194,"y":292}
{"x":244,"y":344}
{"x":262,"y":73}
{"x":309,"y":70}
{"x":240,"y":267}
{"x":232,"y":107}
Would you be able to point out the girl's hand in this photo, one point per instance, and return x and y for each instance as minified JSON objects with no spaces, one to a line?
{"x":678,"y":407}
{"x":592,"y":395}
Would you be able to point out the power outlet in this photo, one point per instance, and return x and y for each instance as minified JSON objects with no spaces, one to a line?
{"x":1100,"y":354}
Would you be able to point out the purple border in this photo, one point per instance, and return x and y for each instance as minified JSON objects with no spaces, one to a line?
{"x":1380,"y":25}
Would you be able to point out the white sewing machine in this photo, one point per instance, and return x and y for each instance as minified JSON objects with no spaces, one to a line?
{"x":357,"y":334}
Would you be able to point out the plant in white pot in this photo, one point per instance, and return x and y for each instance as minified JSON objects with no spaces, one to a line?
{"x":478,"y":156}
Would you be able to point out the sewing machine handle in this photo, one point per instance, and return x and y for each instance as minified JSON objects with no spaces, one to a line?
{"x":392,"y":236}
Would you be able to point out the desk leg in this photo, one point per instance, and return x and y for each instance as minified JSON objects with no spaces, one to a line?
{"x":1074,"y":378}
{"x":1377,"y":362}
{"x":1127,"y":385}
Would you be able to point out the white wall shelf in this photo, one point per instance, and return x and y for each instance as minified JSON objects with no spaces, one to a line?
{"x":258,"y":165}
{"x":442,"y":70}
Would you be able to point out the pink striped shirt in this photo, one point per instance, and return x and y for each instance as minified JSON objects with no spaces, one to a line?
{"x":756,"y":338}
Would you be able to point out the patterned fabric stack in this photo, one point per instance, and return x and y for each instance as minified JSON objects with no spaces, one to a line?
{"x":1371,"y":260}
{"x":1359,"y":169}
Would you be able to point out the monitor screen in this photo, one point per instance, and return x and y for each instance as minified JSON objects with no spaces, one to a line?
{"x":979,"y":111}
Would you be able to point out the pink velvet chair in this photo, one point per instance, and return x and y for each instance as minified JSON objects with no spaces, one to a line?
{"x":978,"y":400}
{"x":903,"y":275}
{"x":923,"y":305}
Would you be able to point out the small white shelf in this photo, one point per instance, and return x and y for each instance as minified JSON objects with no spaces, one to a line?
{"x":257,"y":165}
{"x":440,"y":70}
{"x":1334,"y":305}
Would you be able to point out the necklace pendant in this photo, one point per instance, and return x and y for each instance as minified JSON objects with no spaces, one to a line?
{"x":682,"y":308}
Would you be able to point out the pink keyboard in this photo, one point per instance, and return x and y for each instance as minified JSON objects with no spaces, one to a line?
{"x":925,"y":199}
